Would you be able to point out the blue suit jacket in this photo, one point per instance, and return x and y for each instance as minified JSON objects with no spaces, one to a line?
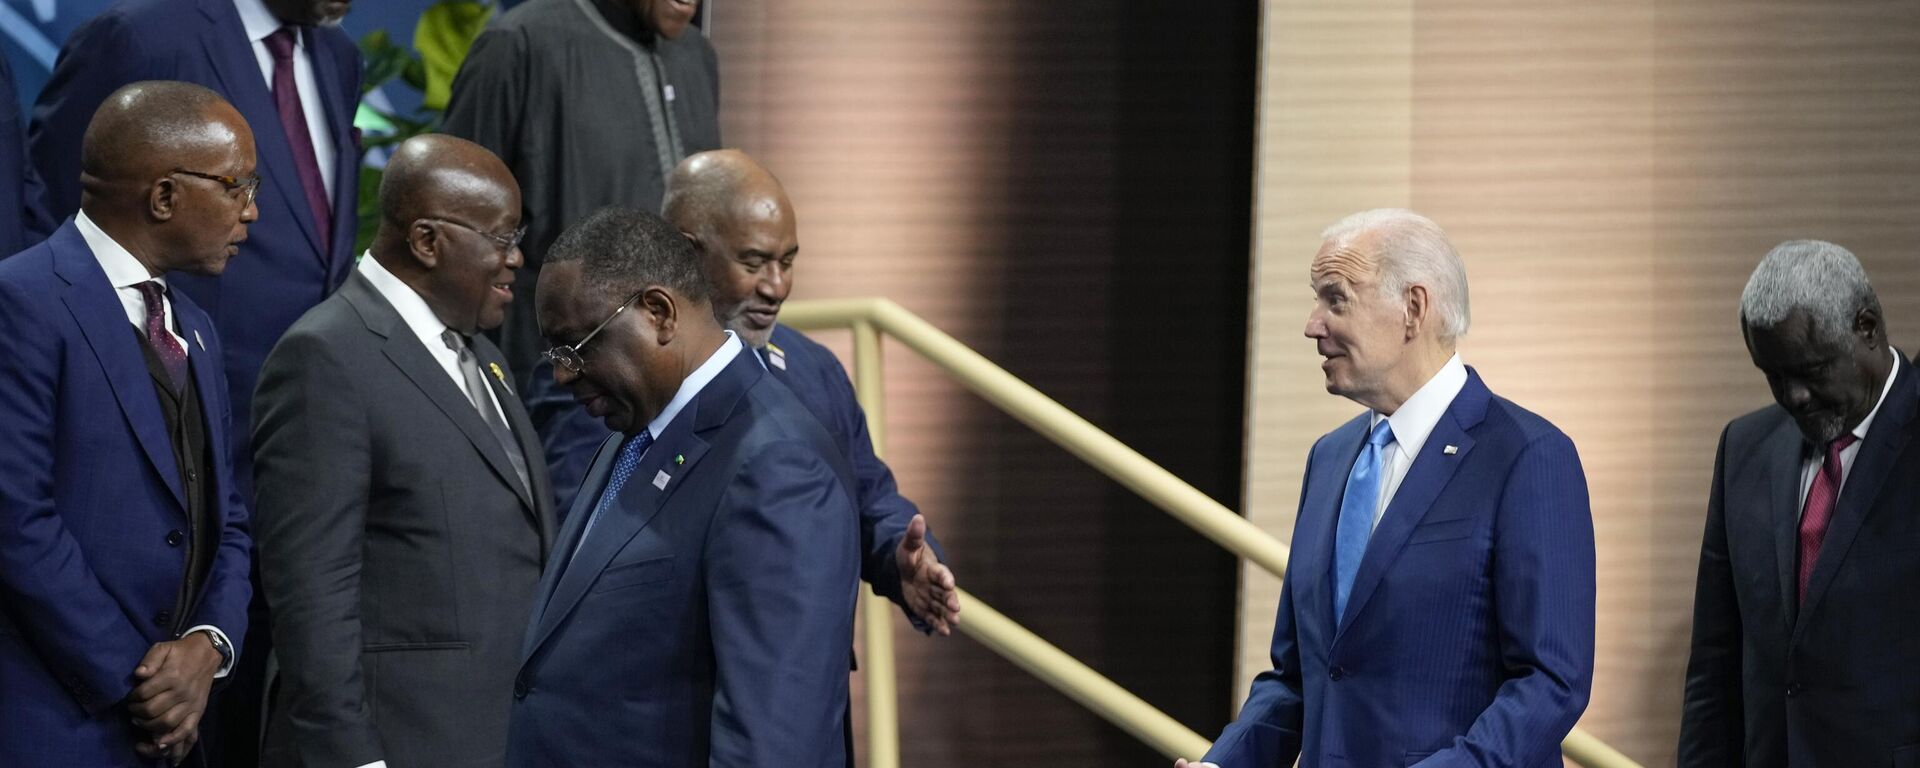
{"x":1468,"y":639}
{"x":23,"y":214}
{"x":89,"y":492}
{"x":281,"y":271}
{"x":817,"y":378}
{"x":707,"y":618}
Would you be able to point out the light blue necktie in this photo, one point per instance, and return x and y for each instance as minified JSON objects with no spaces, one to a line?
{"x":623,"y":467}
{"x":1357,"y":504}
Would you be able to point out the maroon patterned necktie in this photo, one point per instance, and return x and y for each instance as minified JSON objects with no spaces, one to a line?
{"x":173,"y":357}
{"x":293,"y":122}
{"x":1819,"y":509}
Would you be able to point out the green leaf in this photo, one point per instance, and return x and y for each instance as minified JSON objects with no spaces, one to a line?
{"x":383,"y":58}
{"x":369,"y":209}
{"x":445,"y":33}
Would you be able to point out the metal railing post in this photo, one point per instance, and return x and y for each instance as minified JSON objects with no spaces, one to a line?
{"x":883,"y":701}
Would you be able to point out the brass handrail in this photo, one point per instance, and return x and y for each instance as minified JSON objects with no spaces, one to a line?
{"x":872,"y":316}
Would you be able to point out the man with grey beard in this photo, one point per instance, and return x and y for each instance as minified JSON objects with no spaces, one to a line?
{"x":1806,"y":644}
{"x":295,"y":77}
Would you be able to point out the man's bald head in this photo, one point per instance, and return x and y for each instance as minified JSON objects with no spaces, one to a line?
{"x":167,"y":170}
{"x":449,"y":218}
{"x":145,"y":129}
{"x":739,"y":217}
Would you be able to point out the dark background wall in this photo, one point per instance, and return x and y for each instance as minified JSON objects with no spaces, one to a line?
{"x":1065,"y":187}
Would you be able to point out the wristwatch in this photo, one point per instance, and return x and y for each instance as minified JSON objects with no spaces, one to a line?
{"x":220,"y":644}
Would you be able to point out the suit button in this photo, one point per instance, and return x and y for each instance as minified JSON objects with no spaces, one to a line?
{"x":1337,"y":673}
{"x":174,"y":538}
{"x":519,"y":688}
{"x":163,"y":618}
{"x":1794,"y":690}
{"x":191,"y":477}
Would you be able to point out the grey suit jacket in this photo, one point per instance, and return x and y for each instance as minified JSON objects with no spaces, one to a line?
{"x":398,"y":549}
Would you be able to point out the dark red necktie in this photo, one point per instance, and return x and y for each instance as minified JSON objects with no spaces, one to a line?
{"x":293,"y":122}
{"x":173,"y":357}
{"x":1819,"y":509}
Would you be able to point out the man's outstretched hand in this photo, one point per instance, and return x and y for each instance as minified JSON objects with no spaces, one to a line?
{"x":927,"y":584}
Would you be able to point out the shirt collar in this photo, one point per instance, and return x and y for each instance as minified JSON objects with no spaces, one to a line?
{"x":1417,"y":417}
{"x":1860,"y":432}
{"x":123,"y":270}
{"x":696,"y":381}
{"x":258,"y":21}
{"x":405,"y":300}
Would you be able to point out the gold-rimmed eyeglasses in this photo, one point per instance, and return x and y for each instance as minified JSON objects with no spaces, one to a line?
{"x":568,"y":355}
{"x":250,"y":183}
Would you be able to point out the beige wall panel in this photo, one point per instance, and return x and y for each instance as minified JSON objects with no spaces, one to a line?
{"x":1611,"y":172}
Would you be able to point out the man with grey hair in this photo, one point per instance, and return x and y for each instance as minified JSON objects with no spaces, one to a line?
{"x":1439,"y":607}
{"x":1806,"y":646}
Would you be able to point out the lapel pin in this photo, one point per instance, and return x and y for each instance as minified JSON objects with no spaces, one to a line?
{"x":198,"y":340}
{"x":776,"y":356}
{"x":1450,"y":450}
{"x":660,"y":480}
{"x":501,"y":375}
{"x":680,"y":459}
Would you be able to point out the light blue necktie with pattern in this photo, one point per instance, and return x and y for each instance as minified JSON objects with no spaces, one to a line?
{"x":623,"y":467}
{"x":1357,"y":504}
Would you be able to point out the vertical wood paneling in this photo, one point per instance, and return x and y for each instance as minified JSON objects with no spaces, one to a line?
{"x":1611,"y":173}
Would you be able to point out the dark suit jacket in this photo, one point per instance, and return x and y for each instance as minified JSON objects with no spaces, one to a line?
{"x":23,"y":213}
{"x":91,"y":501}
{"x":398,"y":548}
{"x":817,"y":378}
{"x":1468,"y":638}
{"x":1834,"y":681}
{"x":706,"y":620}
{"x":281,"y":271}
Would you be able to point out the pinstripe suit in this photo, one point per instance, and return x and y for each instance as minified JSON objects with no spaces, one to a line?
{"x":1468,"y":636}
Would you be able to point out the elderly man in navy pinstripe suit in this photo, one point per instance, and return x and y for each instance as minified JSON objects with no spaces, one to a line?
{"x":1439,"y":608}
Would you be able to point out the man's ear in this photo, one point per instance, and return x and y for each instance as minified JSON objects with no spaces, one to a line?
{"x":1868,"y":328}
{"x":1419,"y":310}
{"x":424,"y":242}
{"x":663,"y":312}
{"x":163,"y":198}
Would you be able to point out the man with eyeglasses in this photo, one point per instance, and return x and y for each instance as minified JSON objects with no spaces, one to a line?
{"x":404,"y":514}
{"x":123,"y":537}
{"x":699,"y":601}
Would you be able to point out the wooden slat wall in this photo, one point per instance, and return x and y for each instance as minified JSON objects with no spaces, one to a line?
{"x":1062,"y":186}
{"x":1611,"y":172}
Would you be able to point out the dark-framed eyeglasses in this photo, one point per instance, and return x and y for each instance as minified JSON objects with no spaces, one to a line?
{"x":568,"y":355}
{"x":250,"y":183}
{"x":506,"y":243}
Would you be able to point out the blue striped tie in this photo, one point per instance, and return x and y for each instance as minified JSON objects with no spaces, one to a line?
{"x":623,"y":467}
{"x":1357,"y":504}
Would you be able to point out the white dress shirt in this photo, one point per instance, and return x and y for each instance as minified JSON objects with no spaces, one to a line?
{"x":425,"y":324}
{"x":1413,"y":423}
{"x":124,"y":272}
{"x":259,"y":23}
{"x":1810,"y":466}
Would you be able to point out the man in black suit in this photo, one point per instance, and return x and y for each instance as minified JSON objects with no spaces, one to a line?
{"x":1806,"y":641}
{"x":404,"y":513}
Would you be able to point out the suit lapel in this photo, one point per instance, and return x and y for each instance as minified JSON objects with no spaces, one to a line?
{"x":103,"y":320}
{"x":536,"y":498}
{"x":404,"y":350}
{"x":1426,"y":478}
{"x":1319,"y":518}
{"x":1886,"y":439}
{"x":568,"y":537}
{"x":231,"y":53}
{"x":675,"y":455}
{"x":206,"y":378}
{"x":346,"y":157}
{"x":1783,"y":453}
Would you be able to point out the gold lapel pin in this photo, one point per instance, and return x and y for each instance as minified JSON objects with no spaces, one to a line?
{"x":497,"y":373}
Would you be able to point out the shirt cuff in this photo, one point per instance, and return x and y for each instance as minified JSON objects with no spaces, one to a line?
{"x":226,"y":664}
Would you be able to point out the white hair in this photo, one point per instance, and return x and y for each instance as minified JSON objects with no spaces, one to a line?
{"x":1412,"y":250}
{"x":1824,"y":279}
